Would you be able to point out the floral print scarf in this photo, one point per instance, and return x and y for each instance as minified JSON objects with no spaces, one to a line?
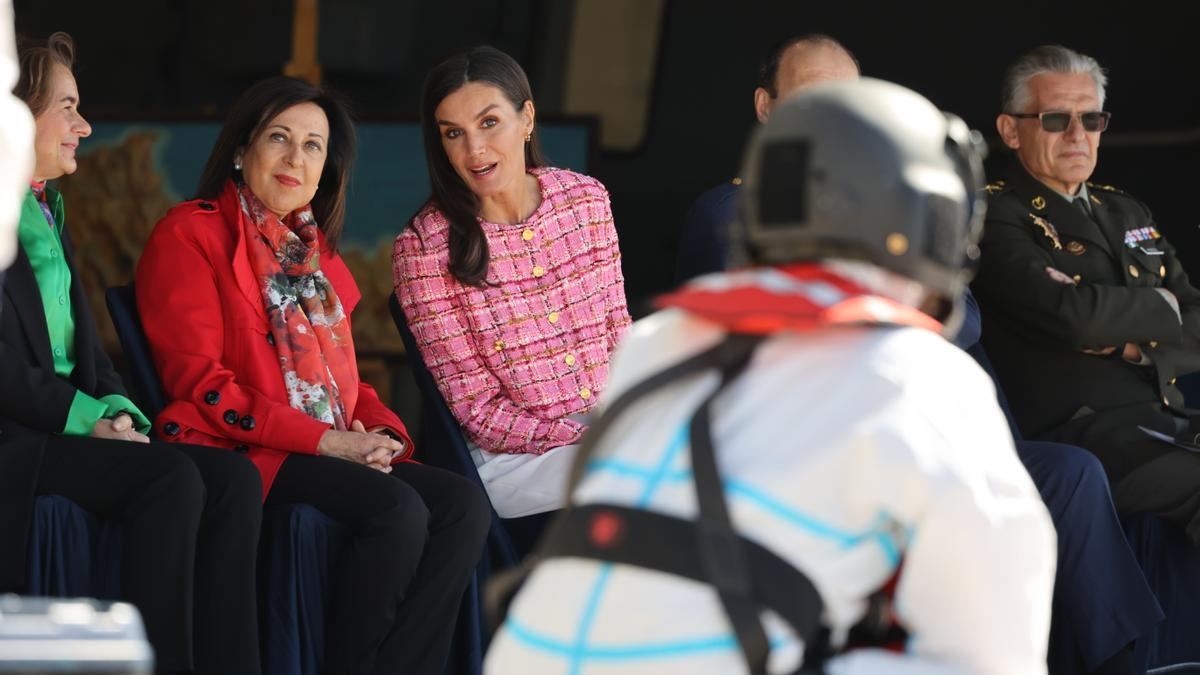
{"x":39,"y":192}
{"x":306,"y":319}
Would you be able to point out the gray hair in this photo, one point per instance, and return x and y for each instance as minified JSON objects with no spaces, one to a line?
{"x":1046,"y":59}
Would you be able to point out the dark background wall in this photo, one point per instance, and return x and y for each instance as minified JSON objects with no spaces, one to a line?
{"x":192,"y":58}
{"x":953,"y":52}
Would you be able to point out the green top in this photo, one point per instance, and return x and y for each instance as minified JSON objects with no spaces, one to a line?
{"x":42,"y":242}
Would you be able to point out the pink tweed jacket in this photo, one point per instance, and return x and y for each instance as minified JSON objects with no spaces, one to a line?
{"x":515,"y":358}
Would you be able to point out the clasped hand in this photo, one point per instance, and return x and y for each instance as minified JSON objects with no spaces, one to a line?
{"x":357,"y":445}
{"x":119,"y":428}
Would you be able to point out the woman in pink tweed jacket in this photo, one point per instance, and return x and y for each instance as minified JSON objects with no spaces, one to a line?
{"x":510,"y":278}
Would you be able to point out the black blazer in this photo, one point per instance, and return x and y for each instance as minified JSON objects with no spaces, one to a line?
{"x":34,"y":401}
{"x":1034,"y":327}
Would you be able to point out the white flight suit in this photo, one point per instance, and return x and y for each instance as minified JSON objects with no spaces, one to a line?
{"x":845,"y":451}
{"x":16,"y":142}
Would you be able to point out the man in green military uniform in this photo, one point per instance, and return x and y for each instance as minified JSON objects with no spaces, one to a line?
{"x":1089,"y":316}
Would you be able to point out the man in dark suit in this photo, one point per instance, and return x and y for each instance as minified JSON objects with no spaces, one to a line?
{"x":1089,"y":315}
{"x":190,"y":514}
{"x":788,"y":67}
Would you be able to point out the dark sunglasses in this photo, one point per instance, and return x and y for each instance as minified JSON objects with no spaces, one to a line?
{"x":1057,"y":122}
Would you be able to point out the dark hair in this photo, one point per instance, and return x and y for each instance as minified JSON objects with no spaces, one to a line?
{"x":36,"y":61}
{"x":468,"y":246}
{"x":768,"y":69}
{"x":251,"y":113}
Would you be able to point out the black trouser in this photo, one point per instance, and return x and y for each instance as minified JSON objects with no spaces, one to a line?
{"x":190,"y":516}
{"x":417,"y":537}
{"x":1147,"y":475}
{"x":1168,"y":486}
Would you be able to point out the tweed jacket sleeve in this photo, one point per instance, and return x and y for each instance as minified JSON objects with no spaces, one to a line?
{"x":488,"y":414}
{"x":618,"y":316}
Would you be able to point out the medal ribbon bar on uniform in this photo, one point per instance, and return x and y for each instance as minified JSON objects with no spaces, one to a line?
{"x":1133,"y":237}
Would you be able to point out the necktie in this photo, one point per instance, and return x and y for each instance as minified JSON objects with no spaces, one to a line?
{"x":1097,"y":232}
{"x":1081,"y":204}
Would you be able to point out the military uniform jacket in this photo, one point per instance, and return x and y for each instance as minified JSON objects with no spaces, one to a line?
{"x":1036,"y":327}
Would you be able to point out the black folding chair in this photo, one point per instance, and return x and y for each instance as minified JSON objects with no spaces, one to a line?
{"x":441,"y":444}
{"x":122,"y":308}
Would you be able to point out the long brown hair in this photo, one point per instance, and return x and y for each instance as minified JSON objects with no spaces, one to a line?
{"x":251,"y":113}
{"x":468,"y":246}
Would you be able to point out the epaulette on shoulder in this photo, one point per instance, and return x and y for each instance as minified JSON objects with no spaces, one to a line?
{"x":1106,"y":188}
{"x":995,"y":188}
{"x":1116,"y":196}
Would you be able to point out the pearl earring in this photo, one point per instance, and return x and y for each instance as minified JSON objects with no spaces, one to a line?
{"x":237,"y":165}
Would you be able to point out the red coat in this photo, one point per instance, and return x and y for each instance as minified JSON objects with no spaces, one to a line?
{"x":203,"y":314}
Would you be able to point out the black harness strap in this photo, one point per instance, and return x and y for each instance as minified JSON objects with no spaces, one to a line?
{"x":745,"y":575}
{"x":619,"y":534}
{"x":712,"y":357}
{"x":721,"y":548}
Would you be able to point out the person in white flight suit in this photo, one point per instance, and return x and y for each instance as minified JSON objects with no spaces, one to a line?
{"x":855,"y":444}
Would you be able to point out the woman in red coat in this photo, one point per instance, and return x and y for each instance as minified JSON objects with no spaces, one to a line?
{"x":247,"y":306}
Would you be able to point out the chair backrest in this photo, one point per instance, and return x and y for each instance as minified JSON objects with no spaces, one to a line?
{"x":442,"y":444}
{"x":441,"y":436}
{"x":122,"y":307}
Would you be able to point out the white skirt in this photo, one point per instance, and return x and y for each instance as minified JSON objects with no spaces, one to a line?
{"x":521,"y":484}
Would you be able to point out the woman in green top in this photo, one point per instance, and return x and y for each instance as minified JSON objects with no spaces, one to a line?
{"x":190,"y":514}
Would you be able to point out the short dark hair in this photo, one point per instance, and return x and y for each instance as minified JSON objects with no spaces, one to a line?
{"x":36,"y":60}
{"x":768,"y":69}
{"x":251,"y":113}
{"x":468,"y":246}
